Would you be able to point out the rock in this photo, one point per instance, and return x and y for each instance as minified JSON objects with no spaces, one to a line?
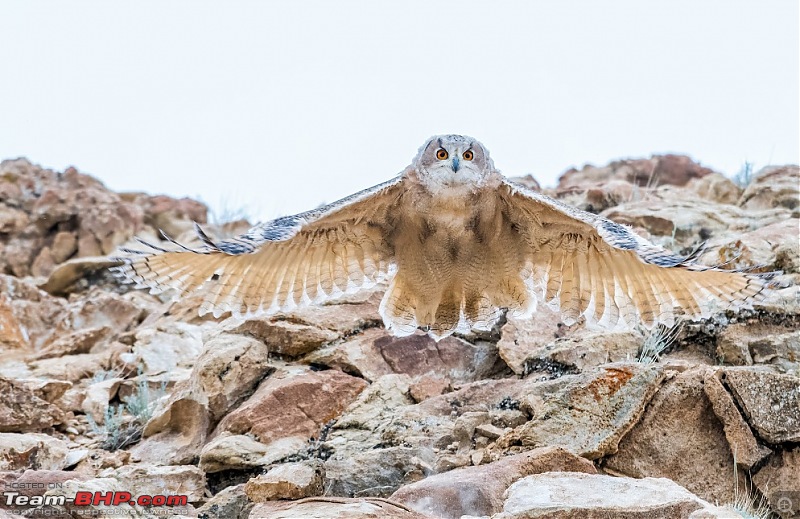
{"x":330,"y":507}
{"x":224,"y":375}
{"x":717,"y":188}
{"x":308,"y":328}
{"x":230,"y":503}
{"x":745,"y":448}
{"x":293,"y":402}
{"x":680,"y":438}
{"x":382,"y":396}
{"x":771,"y":402}
{"x":676,"y":221}
{"x":773,"y":186}
{"x":769,"y":247}
{"x":47,"y":389}
{"x":163,"y":348}
{"x":172,"y":215}
{"x":73,"y":368}
{"x":21,"y":410}
{"x":519,"y":336}
{"x":758,"y":342}
{"x":56,"y":216}
{"x":28,"y":315}
{"x":31,"y":451}
{"x":167,"y":480}
{"x":596,"y":198}
{"x":375,"y":353}
{"x":658,"y":170}
{"x":240,"y":452}
{"x":779,"y":482}
{"x":427,"y":387}
{"x":65,"y":277}
{"x":479,"y":490}
{"x":554,"y":495}
{"x":97,"y":397}
{"x":377,"y":472}
{"x":286,"y":337}
{"x":74,"y":343}
{"x":287,"y":481}
{"x":589,"y":413}
{"x":580,"y":351}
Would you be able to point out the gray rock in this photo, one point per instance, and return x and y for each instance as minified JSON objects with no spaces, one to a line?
{"x":555,"y":495}
{"x":745,"y":448}
{"x":771,"y":402}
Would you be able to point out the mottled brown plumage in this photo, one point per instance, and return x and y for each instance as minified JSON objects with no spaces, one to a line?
{"x":457,"y":243}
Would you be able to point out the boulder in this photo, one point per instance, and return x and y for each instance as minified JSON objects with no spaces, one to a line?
{"x":478,"y":491}
{"x":32,"y":451}
{"x":589,"y":413}
{"x":555,"y":495}
{"x":680,"y":437}
{"x":293,"y":402}
{"x":330,"y":507}
{"x":770,"y":401}
{"x":22,"y":410}
{"x":287,"y":481}
{"x":773,"y":186}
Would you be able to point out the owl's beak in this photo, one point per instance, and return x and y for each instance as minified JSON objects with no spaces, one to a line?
{"x":455,"y":165}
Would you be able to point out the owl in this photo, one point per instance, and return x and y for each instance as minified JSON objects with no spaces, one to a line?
{"x":456,"y":244}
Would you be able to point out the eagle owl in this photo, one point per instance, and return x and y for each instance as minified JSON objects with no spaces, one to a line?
{"x":457,"y":244}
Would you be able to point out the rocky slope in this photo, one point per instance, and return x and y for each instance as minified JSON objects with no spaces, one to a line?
{"x":321,"y":414}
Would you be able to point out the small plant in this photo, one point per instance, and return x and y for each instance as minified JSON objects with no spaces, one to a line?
{"x":745,"y":175}
{"x":118,"y":431}
{"x":657,"y":340}
{"x":748,"y":503}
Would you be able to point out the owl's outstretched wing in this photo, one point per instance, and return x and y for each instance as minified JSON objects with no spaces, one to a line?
{"x":589,"y":266}
{"x":291,"y":261}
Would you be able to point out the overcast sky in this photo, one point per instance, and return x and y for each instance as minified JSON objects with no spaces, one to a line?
{"x":278,"y":107}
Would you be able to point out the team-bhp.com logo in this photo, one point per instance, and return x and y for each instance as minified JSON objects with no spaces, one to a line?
{"x":95,"y":499}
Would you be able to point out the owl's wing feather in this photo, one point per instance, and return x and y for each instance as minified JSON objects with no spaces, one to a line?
{"x":275,"y":266}
{"x":589,"y":266}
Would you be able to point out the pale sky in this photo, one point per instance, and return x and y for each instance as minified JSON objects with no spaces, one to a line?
{"x":276,"y":107}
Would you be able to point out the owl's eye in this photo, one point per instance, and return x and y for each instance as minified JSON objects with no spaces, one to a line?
{"x":468,"y":155}
{"x":441,"y":154}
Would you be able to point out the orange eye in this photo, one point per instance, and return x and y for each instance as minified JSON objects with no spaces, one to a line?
{"x":468,"y":155}
{"x":441,"y":154}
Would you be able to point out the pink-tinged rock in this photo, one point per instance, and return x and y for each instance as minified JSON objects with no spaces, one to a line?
{"x":658,"y":170}
{"x":334,"y":508}
{"x":293,"y":403}
{"x":479,"y":490}
{"x":375,"y":353}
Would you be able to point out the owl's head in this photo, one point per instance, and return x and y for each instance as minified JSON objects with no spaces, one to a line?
{"x":449,"y":161}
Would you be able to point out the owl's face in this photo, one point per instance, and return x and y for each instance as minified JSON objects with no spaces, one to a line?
{"x":448,"y":161}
